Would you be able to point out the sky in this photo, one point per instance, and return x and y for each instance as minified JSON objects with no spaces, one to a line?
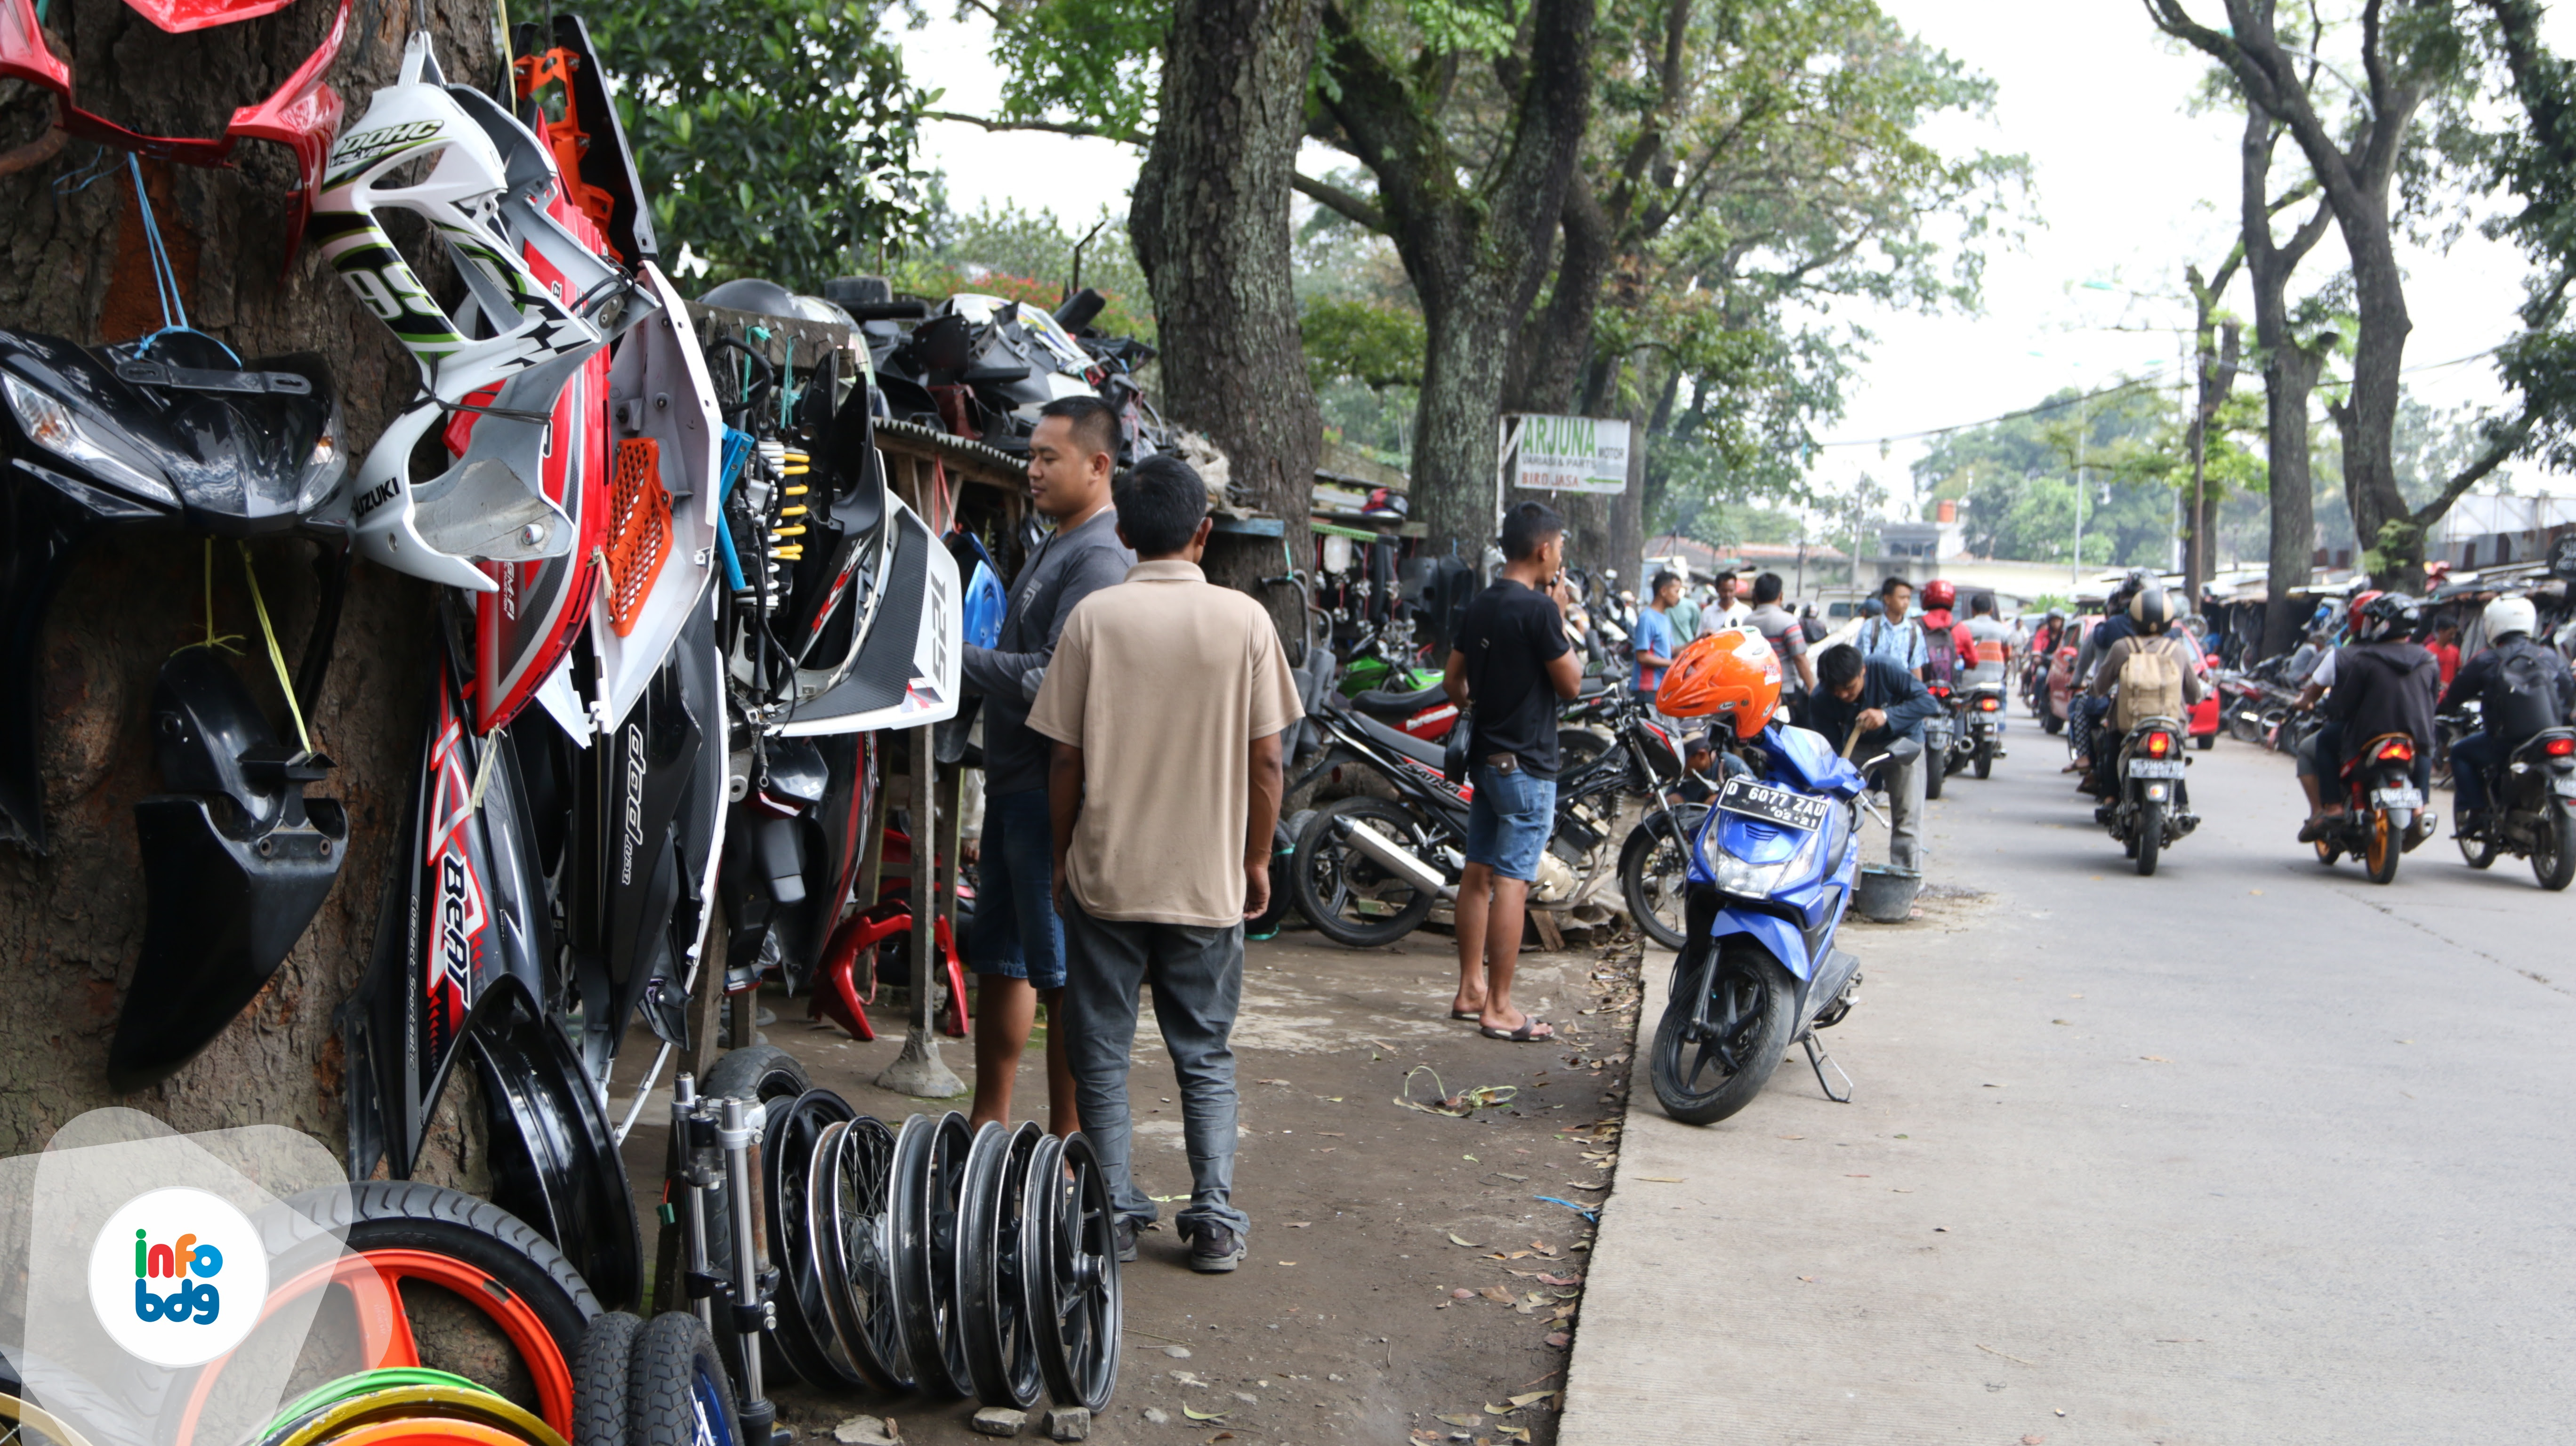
{"x":2127,"y":188}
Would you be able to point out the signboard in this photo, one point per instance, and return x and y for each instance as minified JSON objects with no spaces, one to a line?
{"x":1566,"y":454}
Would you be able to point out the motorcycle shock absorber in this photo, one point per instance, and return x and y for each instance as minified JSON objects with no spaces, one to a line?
{"x":753,"y":1311}
{"x":782,"y":516}
{"x":693,"y":1127}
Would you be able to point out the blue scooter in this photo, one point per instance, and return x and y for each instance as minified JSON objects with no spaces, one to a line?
{"x":1771,"y":874}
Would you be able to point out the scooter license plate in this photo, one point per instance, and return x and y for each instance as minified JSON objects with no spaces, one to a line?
{"x":1772,"y":805}
{"x":2563,"y":787}
{"x":2396,"y":798}
{"x":2155,"y":768}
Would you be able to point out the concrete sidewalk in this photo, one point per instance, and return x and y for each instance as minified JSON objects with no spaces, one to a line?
{"x":2247,"y":1152}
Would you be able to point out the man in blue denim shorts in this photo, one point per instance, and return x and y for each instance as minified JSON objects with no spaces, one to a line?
{"x":1511,"y":666}
{"x":1017,"y":949}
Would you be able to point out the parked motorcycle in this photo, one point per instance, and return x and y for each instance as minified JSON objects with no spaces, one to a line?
{"x":2151,"y":807}
{"x":2380,"y":806}
{"x":2532,"y":811}
{"x":1771,"y":874}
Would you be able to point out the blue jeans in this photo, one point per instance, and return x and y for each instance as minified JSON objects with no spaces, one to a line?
{"x":1017,"y":933}
{"x":2473,"y":756}
{"x":1197,"y":978}
{"x":1509,"y":820}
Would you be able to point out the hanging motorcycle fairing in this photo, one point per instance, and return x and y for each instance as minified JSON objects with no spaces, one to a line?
{"x":606,"y":162}
{"x":467,"y":906}
{"x":177,"y":430}
{"x":647,"y":824}
{"x":483,"y":197}
{"x":666,"y":433}
{"x":903,"y":672}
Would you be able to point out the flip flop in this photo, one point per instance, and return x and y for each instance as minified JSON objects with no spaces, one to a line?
{"x":1524,"y":1034}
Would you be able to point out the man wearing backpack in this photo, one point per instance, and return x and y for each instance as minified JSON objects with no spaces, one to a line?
{"x":2522,"y":686}
{"x":2153,"y":673}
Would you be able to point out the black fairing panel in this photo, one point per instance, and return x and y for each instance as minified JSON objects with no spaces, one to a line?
{"x":236,"y":861}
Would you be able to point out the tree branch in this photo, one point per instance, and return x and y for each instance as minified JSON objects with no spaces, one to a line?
{"x":2507,"y":442}
{"x":1060,"y":128}
{"x":1351,"y":206}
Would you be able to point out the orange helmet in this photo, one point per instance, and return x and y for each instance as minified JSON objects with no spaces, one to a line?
{"x":1731,"y":671}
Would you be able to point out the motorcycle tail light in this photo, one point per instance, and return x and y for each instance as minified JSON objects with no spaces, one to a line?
{"x":1990,"y":704}
{"x":2396,"y":750}
{"x":2560,"y":747}
{"x":2159,"y":744}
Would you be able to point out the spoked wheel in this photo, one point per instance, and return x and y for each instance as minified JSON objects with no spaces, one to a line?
{"x":1071,"y":1292}
{"x":2477,"y":853}
{"x":1704,"y":1073}
{"x":1001,"y":1343}
{"x":851,"y":1224}
{"x":1349,"y":897}
{"x":789,"y":1151}
{"x":929,"y":1170}
{"x":2382,"y":848}
{"x":1654,"y":871}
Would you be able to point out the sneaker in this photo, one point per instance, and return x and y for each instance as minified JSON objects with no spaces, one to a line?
{"x":1215,"y":1249}
{"x":1124,"y":1232}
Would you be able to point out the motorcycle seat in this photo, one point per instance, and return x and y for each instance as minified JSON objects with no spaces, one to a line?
{"x":1420,"y":750}
{"x":1389,"y":703}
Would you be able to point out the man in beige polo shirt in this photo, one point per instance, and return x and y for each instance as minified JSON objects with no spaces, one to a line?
{"x":1167,"y":700}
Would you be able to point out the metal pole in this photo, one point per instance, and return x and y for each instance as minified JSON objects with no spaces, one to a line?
{"x":684,"y":1113}
{"x":2075,"y":574}
{"x":917,"y":1071}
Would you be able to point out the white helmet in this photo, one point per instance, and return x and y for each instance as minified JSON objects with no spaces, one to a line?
{"x":2509,"y":615}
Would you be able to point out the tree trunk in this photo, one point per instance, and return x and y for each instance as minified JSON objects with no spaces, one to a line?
{"x":2392,"y":545}
{"x":77,"y":267}
{"x":1211,"y":227}
{"x":2289,"y":378}
{"x":1475,"y":250}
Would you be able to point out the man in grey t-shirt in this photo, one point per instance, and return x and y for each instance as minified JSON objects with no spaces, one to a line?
{"x":1017,"y":950}
{"x":1779,"y":627}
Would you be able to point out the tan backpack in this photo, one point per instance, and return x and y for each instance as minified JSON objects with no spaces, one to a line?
{"x":2150,"y":683}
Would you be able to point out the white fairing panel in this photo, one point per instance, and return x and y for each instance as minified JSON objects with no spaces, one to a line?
{"x":659,"y":387}
{"x":906,"y":673}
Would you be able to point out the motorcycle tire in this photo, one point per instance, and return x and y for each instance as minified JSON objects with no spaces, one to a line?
{"x":2384,"y":845}
{"x":2205,"y":741}
{"x":1578,"y":748}
{"x":1654,"y":871}
{"x":1328,"y":867}
{"x":677,"y":1393}
{"x":2553,"y":861}
{"x":2150,"y":837}
{"x":1985,"y":758}
{"x":1755,"y":1017}
{"x":599,"y":1380}
{"x":2476,"y":852}
{"x":1934,"y":771}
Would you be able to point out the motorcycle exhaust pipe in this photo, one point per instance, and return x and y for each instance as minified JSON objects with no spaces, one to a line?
{"x":1395,"y":858}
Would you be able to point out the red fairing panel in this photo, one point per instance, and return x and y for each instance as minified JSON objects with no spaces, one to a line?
{"x":181,"y":16}
{"x":301,"y":116}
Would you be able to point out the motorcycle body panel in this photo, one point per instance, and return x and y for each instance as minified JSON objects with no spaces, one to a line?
{"x":904,"y":671}
{"x":236,"y":861}
{"x":554,"y":1161}
{"x":1812,"y":873}
{"x":659,"y":392}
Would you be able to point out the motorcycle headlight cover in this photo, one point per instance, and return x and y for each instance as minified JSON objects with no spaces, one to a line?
{"x":513,"y":340}
{"x":1759,"y":861}
{"x":50,"y":425}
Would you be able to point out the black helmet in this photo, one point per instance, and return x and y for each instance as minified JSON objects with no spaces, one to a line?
{"x":2389,"y":615}
{"x":2151,"y":610}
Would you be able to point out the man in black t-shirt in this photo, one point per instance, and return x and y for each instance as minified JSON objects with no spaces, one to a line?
{"x":1511,"y":665}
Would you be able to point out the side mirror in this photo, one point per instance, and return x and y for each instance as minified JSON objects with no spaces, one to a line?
{"x":1902,"y":751}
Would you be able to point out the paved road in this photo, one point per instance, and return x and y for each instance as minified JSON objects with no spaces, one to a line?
{"x":2250,"y":1151}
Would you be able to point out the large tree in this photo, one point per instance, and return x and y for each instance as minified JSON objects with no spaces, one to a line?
{"x":2409,"y":54}
{"x":1210,"y":223}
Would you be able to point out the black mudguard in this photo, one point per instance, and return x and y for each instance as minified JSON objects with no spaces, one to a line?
{"x":236,"y":861}
{"x":555,"y":1161}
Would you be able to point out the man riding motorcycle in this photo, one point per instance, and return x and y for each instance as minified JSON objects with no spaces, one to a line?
{"x":2085,"y":715}
{"x":2381,"y":682}
{"x":2150,"y":617}
{"x":2522,"y":686}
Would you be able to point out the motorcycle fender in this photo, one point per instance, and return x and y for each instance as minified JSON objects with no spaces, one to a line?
{"x":554,"y":1155}
{"x":234,"y":867}
{"x":1781,"y":937}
